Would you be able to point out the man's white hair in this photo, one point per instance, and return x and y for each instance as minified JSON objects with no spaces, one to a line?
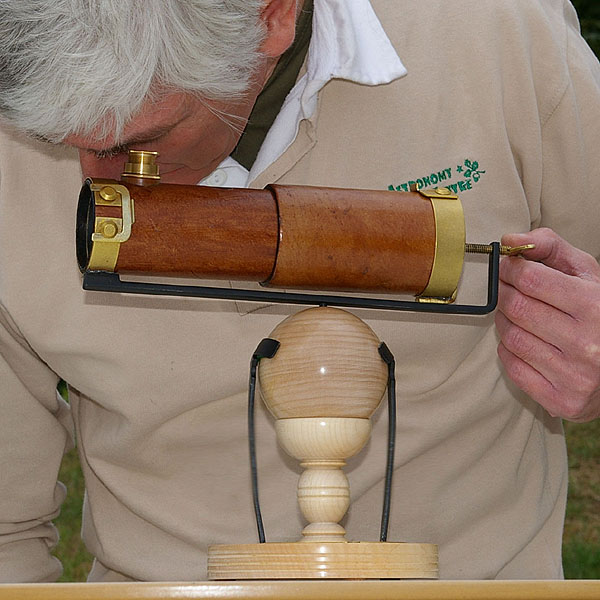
{"x":86,"y":66}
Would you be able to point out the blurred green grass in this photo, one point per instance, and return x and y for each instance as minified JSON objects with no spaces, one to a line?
{"x":581,"y":540}
{"x":76,"y":560}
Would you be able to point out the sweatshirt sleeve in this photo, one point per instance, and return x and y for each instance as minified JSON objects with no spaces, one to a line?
{"x":35,"y":431}
{"x":570,"y":195}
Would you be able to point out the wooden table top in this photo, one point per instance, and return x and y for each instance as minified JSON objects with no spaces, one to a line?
{"x":313,"y":590}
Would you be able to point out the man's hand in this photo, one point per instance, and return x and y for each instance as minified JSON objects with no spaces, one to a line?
{"x":549,"y":324}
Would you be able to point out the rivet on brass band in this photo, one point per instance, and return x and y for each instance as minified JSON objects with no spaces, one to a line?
{"x":449,"y":247}
{"x":109,"y":229}
{"x":109,"y":194}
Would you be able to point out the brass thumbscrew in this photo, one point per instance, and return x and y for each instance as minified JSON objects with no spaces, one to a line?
{"x":504,"y":250}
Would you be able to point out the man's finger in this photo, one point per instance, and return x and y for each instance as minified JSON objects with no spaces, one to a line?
{"x":540,"y":318}
{"x":545,"y":358}
{"x":555,"y":252}
{"x":543,"y":283}
{"x":558,"y":402}
{"x":532,"y":382}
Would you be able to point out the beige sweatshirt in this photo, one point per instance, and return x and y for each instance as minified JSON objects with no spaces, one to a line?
{"x":501,"y":102}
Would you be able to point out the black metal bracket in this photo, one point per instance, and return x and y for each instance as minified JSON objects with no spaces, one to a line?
{"x":267,"y":349}
{"x":101,"y":281}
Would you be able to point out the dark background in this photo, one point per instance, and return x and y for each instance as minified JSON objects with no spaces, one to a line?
{"x":589,"y":15}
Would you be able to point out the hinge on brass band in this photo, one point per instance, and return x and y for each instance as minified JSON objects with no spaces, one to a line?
{"x":435,"y":300}
{"x":441,"y":193}
{"x":110,"y":232}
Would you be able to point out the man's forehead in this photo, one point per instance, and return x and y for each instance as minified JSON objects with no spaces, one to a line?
{"x":152,"y":121}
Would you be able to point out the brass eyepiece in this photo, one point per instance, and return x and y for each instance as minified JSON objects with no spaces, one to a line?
{"x":141,"y":164}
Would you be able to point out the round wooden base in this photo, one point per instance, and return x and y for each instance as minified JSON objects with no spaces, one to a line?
{"x":327,"y":560}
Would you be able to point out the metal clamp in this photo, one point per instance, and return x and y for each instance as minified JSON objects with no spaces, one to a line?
{"x":110,"y":232}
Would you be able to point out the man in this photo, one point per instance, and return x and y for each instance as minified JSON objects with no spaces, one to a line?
{"x":499,"y":101}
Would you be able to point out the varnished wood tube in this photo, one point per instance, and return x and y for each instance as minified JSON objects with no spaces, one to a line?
{"x":354,"y":240}
{"x":282,"y":236}
{"x":205,"y":232}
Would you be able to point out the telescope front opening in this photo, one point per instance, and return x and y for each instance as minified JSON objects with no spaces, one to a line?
{"x":86,"y":214}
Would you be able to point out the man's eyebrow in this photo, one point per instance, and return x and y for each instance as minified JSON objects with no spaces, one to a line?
{"x":140,"y":138}
{"x":42,"y":138}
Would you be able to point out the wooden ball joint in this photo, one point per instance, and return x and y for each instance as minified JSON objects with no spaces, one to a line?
{"x":322,"y":386}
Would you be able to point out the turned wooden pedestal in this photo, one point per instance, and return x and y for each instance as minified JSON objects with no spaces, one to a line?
{"x":322,"y":386}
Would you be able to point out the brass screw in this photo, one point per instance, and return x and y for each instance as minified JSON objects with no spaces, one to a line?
{"x":504,"y":250}
{"x":109,"y":229}
{"x":108,"y":194}
{"x":443,"y":191}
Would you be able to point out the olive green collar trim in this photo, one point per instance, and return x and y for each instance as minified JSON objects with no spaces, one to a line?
{"x":271,"y":98}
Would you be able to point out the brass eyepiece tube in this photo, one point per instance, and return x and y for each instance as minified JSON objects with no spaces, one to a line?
{"x":281,"y":236}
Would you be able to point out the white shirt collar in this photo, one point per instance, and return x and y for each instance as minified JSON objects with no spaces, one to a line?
{"x":348,"y":42}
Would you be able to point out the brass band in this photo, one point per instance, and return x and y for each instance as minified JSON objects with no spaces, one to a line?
{"x":449,"y":246}
{"x":109,"y":232}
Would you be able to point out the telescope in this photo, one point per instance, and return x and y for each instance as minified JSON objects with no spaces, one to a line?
{"x":294,"y":237}
{"x":323,"y":371}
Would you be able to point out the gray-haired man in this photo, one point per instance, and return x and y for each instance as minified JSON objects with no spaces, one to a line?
{"x":498,"y":100}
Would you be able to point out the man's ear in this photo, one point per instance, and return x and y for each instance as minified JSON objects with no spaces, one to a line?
{"x":279,"y":19}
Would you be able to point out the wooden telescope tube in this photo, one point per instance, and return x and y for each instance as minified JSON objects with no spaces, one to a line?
{"x":280,"y":236}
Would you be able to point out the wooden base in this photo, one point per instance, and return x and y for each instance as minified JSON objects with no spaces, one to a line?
{"x":314,"y":560}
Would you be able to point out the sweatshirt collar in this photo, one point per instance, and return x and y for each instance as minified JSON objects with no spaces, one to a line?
{"x":348,"y":42}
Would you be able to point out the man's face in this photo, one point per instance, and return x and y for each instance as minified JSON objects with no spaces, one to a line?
{"x":191,"y":136}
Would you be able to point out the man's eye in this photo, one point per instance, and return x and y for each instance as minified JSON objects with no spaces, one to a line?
{"x":110,"y":152}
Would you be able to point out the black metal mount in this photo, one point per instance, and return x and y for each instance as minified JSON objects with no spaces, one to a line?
{"x":101,"y":281}
{"x":267,"y":349}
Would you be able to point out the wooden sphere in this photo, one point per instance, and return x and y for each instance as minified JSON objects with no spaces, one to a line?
{"x":328,"y":365}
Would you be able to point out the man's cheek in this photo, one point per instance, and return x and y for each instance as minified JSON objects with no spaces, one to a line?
{"x":109,"y":168}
